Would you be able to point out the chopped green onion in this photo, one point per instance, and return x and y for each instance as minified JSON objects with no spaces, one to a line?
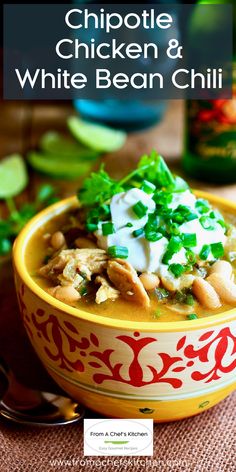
{"x":108,"y":228}
{"x":176,"y":269}
{"x":223,"y":224}
{"x":206,"y":223}
{"x":189,"y":299}
{"x":167,"y":257}
{"x":105,"y":209}
{"x":129,"y":225}
{"x":205,"y":251}
{"x":161,"y":293}
{"x":202,"y":206}
{"x":192,"y":316}
{"x":175,"y":244}
{"x":220,"y":220}
{"x":164,"y":212}
{"x":183,"y":209}
{"x":185,"y":212}
{"x":191,"y":216}
{"x":188,"y":268}
{"x":203,"y":209}
{"x":140,"y":209}
{"x":202,"y":201}
{"x":91,"y":227}
{"x":173,"y":228}
{"x":152,"y":233}
{"x":183,"y":297}
{"x":189,"y":239}
{"x":162,"y":198}
{"x":138,"y":232}
{"x":118,"y":251}
{"x":147,"y":187}
{"x":162,"y":231}
{"x":178,"y":218}
{"x":152,"y":222}
{"x":157,"y":313}
{"x":191,"y":257}
{"x":153,"y":236}
{"x":217,"y":250}
{"x":83,"y":291}
{"x":180,"y":296}
{"x":95,"y":214}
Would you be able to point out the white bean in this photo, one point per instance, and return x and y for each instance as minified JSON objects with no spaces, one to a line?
{"x":205,"y":294}
{"x":66,"y":293}
{"x":225,"y":288}
{"x":149,"y":281}
{"x":58,"y":240}
{"x":223,"y":268}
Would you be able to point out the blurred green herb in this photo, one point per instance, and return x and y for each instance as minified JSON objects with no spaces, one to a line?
{"x":157,"y":314}
{"x":14,"y":179}
{"x":98,"y":188}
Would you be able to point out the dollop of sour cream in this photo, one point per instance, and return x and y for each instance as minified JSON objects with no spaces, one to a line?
{"x":144,"y":255}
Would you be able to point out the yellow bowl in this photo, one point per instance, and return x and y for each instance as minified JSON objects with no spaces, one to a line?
{"x":164,"y":371}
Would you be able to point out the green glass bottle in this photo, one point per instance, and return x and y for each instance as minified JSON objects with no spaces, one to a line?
{"x":210,"y":145}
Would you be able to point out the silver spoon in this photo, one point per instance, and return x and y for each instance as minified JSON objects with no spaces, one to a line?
{"x":32,"y":407}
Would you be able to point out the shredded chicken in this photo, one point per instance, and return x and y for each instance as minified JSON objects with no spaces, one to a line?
{"x":105,"y":291}
{"x":125,"y":279}
{"x":72,"y":266}
{"x":53,"y":268}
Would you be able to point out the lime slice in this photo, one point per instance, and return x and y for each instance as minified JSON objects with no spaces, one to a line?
{"x":13,"y":176}
{"x":54,"y":143}
{"x":58,"y":168}
{"x":97,"y":137}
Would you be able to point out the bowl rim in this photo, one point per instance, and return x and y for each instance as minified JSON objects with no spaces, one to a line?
{"x":62,"y":206}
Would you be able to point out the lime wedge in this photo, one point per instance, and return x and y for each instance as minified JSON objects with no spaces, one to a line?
{"x":13,"y":176}
{"x":97,"y":137}
{"x":56,"y":167}
{"x":54,"y":143}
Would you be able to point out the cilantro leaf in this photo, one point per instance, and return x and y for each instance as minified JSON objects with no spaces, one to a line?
{"x":98,"y":188}
{"x":154,"y":169}
{"x":5,"y":229}
{"x":10,"y":227}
